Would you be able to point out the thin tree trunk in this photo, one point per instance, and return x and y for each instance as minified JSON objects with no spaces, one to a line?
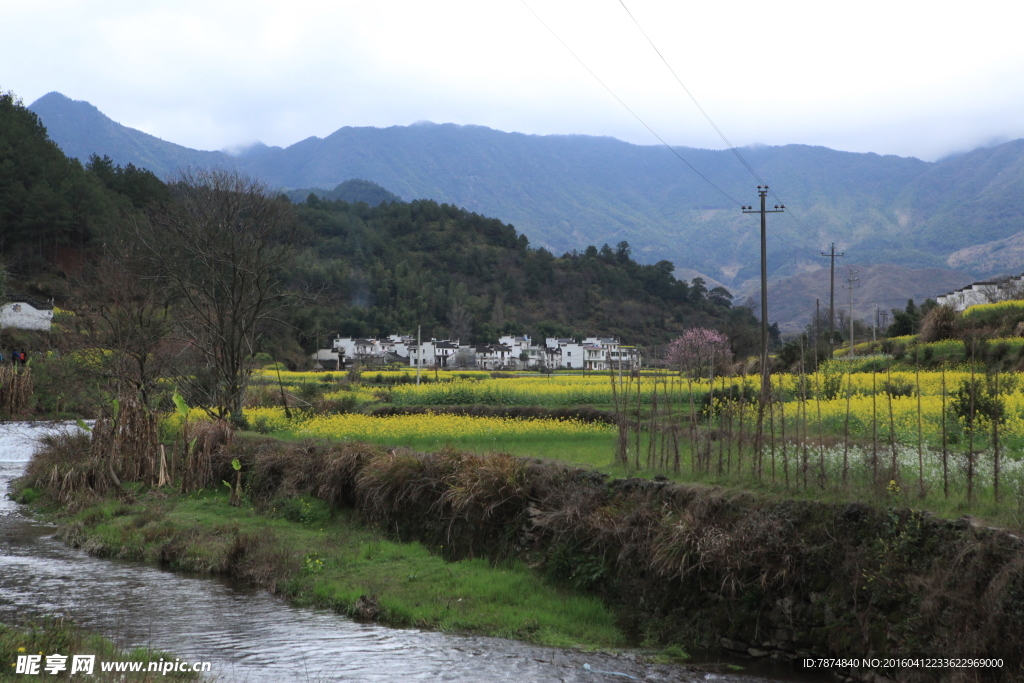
{"x":846,"y":426}
{"x":920,"y":429}
{"x":970,"y":447}
{"x":894,"y":474}
{"x":874,"y":427}
{"x":945,"y":443}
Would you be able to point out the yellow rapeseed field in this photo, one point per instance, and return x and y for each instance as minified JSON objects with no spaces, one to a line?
{"x":401,"y":428}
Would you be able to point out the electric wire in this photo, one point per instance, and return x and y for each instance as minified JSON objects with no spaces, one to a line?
{"x":626,"y":106}
{"x":735,"y":151}
{"x":707,"y":116}
{"x":692,"y":98}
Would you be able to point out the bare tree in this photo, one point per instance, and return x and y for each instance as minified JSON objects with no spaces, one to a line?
{"x":460,"y":322}
{"x":126,"y":313}
{"x":219,"y":247}
{"x":1003,"y":289}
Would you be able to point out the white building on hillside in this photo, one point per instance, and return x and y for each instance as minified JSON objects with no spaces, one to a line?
{"x":26,"y":313}
{"x":985,"y":292}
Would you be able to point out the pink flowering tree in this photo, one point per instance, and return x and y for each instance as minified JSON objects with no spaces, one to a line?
{"x":698,"y":350}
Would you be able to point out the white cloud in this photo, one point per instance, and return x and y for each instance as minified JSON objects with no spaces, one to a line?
{"x":909,"y":78}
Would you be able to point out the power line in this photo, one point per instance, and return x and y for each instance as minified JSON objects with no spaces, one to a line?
{"x":626,"y":106}
{"x":734,"y":150}
{"x":694,"y":99}
{"x":707,"y":116}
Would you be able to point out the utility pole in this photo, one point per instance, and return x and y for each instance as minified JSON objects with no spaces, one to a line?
{"x":832,"y":297}
{"x":851,"y":279}
{"x":419,"y":353}
{"x":762,"y":191}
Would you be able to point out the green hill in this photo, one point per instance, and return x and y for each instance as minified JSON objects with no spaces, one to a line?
{"x":352,"y":191}
{"x":389,"y":268}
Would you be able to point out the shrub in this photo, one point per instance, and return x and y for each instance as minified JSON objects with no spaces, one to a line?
{"x":942,"y":322}
{"x":897,"y":389}
{"x":303,"y":509}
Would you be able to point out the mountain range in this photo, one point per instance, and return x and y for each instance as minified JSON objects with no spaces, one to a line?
{"x":962,"y":217}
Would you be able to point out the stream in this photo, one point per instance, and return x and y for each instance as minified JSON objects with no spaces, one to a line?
{"x":249,"y":635}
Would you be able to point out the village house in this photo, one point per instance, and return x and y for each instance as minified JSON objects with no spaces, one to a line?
{"x":511,"y":352}
{"x":434,"y":353}
{"x":985,"y":292}
{"x":492,"y":356}
{"x":570,"y":353}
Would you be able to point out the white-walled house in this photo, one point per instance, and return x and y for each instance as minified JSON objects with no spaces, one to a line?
{"x":26,"y":313}
{"x":593,"y":353}
{"x":358,"y":349}
{"x":422,"y":355}
{"x":570,"y":353}
{"x":327,"y":359}
{"x":606,"y":353}
{"x":985,"y":292}
{"x":435,"y":353}
{"x":492,"y":356}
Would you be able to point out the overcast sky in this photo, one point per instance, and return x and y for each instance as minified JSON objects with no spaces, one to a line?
{"x":909,"y":78}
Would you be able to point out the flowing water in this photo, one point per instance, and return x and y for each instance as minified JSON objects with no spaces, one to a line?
{"x":249,"y":635}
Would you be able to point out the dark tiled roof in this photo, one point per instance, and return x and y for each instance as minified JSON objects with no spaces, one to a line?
{"x":36,"y":303}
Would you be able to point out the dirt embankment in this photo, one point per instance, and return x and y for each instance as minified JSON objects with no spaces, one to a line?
{"x":686,"y":564}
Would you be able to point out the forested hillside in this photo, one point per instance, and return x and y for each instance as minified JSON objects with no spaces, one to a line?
{"x":50,"y":204}
{"x":355,"y":190}
{"x":389,"y":268}
{"x":357,"y":269}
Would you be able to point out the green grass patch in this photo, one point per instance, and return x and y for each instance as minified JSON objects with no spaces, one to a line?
{"x":299,"y":548}
{"x":58,"y":636}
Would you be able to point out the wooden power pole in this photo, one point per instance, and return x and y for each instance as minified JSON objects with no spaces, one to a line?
{"x":762,"y":191}
{"x":832,"y":297}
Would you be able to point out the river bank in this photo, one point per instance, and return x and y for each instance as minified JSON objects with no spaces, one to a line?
{"x":252,"y":636}
{"x":681,"y":567}
{"x":298,"y":548}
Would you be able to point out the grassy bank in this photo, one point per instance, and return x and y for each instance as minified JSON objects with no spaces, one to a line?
{"x":62,"y":637}
{"x":299,"y":548}
{"x":680,"y":566}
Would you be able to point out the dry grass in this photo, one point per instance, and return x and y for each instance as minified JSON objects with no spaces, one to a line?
{"x":64,"y":468}
{"x":480,"y":485}
{"x":15,"y":390}
{"x":205,"y":440}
